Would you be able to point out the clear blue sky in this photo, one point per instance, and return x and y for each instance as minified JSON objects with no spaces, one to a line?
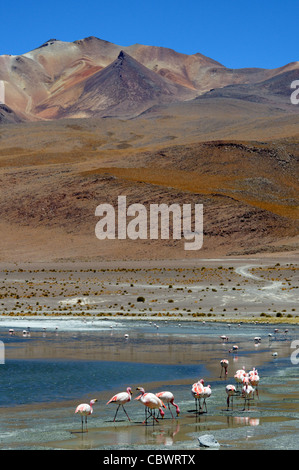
{"x":255,"y":33}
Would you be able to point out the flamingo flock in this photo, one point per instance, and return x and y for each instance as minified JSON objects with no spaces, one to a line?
{"x":246,"y":387}
{"x":155,"y":402}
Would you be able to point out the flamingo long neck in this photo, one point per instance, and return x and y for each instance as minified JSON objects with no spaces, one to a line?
{"x":176,"y":407}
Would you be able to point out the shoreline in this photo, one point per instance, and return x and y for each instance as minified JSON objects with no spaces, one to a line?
{"x":156,"y":318}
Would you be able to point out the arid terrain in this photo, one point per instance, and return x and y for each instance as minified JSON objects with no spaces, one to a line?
{"x":156,"y":126}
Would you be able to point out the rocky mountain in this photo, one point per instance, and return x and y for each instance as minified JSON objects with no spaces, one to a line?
{"x":124,"y":88}
{"x":92,"y":77}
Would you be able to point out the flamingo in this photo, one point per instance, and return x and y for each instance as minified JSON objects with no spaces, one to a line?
{"x":230,"y":391}
{"x":206,"y":394}
{"x":85,"y":410}
{"x":120,"y":399}
{"x":247,"y":394}
{"x":167,"y":397}
{"x":224,"y":365}
{"x":254,"y":379}
{"x":151,"y":402}
{"x":196,"y":391}
{"x":246,"y":379}
{"x":239,"y":375}
{"x":224,"y":337}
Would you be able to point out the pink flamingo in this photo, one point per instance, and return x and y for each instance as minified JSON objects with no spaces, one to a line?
{"x":239,"y":375}
{"x":85,"y":410}
{"x":206,"y":394}
{"x":224,"y":366}
{"x":254,"y":379}
{"x":247,"y":394}
{"x":120,"y":399}
{"x":151,"y":402}
{"x":246,"y":379}
{"x":167,"y":397}
{"x":224,"y":337}
{"x":230,"y":391}
{"x":196,"y":391}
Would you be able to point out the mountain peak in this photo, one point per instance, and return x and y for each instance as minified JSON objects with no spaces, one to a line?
{"x":121,"y":55}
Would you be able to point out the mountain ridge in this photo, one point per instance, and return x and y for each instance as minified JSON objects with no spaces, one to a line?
{"x":50,"y":82}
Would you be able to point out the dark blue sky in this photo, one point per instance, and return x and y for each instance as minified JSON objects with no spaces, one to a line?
{"x":259,"y":33}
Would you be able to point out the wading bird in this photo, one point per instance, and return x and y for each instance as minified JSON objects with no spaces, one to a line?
{"x":120,"y":399}
{"x":224,"y":365}
{"x":85,"y":410}
{"x":224,"y":337}
{"x":247,"y":394}
{"x":206,"y":394}
{"x":167,"y":397}
{"x":231,"y":392}
{"x":239,"y":375}
{"x":254,"y":379}
{"x":196,"y":392}
{"x":151,"y":403}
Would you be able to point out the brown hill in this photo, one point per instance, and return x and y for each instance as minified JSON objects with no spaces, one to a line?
{"x":54,"y":174}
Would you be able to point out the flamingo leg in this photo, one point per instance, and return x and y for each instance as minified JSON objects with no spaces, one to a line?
{"x":170,"y":410}
{"x":116,"y":412}
{"x":152,"y":414}
{"x":126,"y":412}
{"x":246,"y":400}
{"x":197,"y":404}
{"x":146,"y":416}
{"x":86,"y":423}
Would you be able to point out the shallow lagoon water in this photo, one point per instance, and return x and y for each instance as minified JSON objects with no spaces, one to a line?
{"x":47,"y":375}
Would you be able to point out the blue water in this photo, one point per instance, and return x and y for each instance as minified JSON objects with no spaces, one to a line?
{"x":28,"y":381}
{"x":33,"y":381}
